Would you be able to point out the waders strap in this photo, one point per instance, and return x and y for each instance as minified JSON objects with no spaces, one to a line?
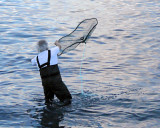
{"x":49,"y":57}
{"x":47,"y":63}
{"x":38,"y":62}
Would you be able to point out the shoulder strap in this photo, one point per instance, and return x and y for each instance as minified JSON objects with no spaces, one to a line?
{"x":49,"y":57}
{"x":47,"y":63}
{"x":38,"y":62}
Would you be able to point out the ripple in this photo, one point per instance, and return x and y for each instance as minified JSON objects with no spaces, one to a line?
{"x":21,"y":35}
{"x":120,"y":67}
{"x":107,"y":37}
{"x":119,"y":30}
{"x":155,"y":26}
{"x":4,"y":83}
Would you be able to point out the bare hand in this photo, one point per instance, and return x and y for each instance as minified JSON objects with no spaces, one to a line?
{"x":57,"y":44}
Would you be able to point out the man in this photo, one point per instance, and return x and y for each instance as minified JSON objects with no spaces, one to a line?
{"x":47,"y":62}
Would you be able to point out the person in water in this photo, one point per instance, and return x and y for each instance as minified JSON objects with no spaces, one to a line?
{"x":47,"y":63}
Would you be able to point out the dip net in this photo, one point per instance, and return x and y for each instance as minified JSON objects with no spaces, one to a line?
{"x":80,"y":35}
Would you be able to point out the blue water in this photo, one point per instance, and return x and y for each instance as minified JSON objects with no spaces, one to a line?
{"x":120,"y":68}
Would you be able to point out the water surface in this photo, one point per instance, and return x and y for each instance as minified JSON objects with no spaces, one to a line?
{"x":120,"y":67}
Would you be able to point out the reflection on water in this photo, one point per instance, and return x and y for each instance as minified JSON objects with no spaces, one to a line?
{"x":120,"y":69}
{"x":46,"y":117}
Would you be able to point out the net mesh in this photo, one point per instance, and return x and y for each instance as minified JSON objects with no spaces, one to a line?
{"x":80,"y":35}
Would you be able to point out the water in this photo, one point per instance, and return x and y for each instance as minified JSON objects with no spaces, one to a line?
{"x":121,"y":66}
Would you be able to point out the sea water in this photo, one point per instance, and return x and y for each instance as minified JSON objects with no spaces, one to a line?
{"x":120,"y":67}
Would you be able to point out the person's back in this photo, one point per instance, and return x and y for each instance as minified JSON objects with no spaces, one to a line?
{"x":47,"y":62}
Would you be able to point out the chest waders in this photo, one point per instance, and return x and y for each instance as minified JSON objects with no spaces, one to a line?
{"x":52,"y":81}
